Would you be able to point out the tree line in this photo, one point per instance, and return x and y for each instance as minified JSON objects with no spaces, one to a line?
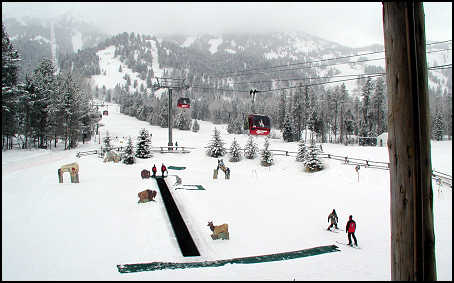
{"x":46,"y":107}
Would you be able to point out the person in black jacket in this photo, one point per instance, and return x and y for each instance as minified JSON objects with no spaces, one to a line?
{"x":333,"y":217}
{"x":350,"y":228}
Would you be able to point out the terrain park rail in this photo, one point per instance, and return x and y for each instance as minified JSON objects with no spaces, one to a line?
{"x":139,"y":267}
{"x":185,"y":241}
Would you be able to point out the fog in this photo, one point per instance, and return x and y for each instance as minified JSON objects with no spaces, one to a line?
{"x":349,"y":23}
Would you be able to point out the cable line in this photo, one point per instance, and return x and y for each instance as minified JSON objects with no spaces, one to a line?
{"x":227,"y":74}
{"x":362,"y":76}
{"x":308,"y":67}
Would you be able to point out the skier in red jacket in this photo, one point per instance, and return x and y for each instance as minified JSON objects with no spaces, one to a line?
{"x":154,"y":170}
{"x":350,"y":229}
{"x":163,"y":169}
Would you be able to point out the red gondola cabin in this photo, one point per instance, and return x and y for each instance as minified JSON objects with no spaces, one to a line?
{"x":183,"y":102}
{"x":259,"y":124}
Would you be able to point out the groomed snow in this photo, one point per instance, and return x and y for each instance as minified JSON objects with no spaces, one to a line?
{"x":53,"y":231}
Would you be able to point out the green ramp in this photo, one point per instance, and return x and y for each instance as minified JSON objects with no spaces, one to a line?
{"x":139,"y":267}
{"x":199,"y":187}
{"x":176,"y":168}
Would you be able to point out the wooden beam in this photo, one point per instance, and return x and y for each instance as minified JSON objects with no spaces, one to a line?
{"x":412,"y":231}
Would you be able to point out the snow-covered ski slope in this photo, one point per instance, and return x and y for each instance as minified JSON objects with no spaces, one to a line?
{"x":53,"y":231}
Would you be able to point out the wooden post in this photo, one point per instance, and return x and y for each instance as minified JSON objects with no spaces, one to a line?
{"x":412,"y":230}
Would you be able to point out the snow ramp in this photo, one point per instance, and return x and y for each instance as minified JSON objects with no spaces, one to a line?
{"x":139,"y":267}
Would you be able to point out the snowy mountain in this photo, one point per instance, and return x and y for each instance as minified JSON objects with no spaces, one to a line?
{"x":36,"y":38}
{"x":210,"y":54}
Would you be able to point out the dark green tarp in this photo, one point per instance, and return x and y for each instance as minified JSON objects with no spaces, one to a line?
{"x":127,"y":268}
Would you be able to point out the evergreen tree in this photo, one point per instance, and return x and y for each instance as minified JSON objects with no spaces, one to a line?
{"x":366,"y":105}
{"x":287,"y":130}
{"x":266,"y":155}
{"x":438,"y":126}
{"x":302,"y":150}
{"x":10,"y":91}
{"x":235,"y":125}
{"x":230,"y":126}
{"x":342,"y":100}
{"x":250,"y":149}
{"x":195,"y":126}
{"x":282,"y":112}
{"x":378,"y":100}
{"x":75,"y":109}
{"x":235,"y":151}
{"x":163,"y":113}
{"x":143,"y":145}
{"x":24,"y":114}
{"x":297,"y":112}
{"x":128,"y":153}
{"x":44,"y":85}
{"x":312,"y":162}
{"x":183,"y":121}
{"x":216,"y":145}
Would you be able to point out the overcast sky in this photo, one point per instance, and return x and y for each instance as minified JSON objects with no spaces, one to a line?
{"x":353,"y":24}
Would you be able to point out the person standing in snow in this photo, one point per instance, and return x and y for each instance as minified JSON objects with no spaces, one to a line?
{"x":154,"y":170}
{"x":350,"y":229}
{"x":333,"y":217}
{"x":163,"y":169}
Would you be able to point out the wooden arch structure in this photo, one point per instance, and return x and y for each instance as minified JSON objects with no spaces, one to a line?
{"x":73,"y":169}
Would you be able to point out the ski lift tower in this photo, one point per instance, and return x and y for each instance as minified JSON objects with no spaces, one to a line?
{"x":170,"y":84}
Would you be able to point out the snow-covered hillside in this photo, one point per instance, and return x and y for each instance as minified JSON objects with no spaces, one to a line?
{"x":53,"y":231}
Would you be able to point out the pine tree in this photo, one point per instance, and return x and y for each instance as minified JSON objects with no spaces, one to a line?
{"x":312,"y":162}
{"x":287,"y":130}
{"x":235,"y":151}
{"x":302,"y":150}
{"x":163,"y":113}
{"x":183,"y":121}
{"x":297,"y":112}
{"x":74,"y":108}
{"x":216,"y":146}
{"x":230,"y":126}
{"x":128,"y":153}
{"x":282,"y":112}
{"x":366,"y":105}
{"x":11,"y":93}
{"x":195,"y":126}
{"x":438,"y":126}
{"x":44,"y":84}
{"x":266,"y":154}
{"x":378,"y":100}
{"x":143,"y":145}
{"x":250,"y":149}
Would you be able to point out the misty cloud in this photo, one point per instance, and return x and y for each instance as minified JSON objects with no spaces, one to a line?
{"x":350,"y":23}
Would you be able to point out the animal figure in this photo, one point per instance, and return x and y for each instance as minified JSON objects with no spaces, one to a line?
{"x":112,"y":156}
{"x":220,"y":231}
{"x":146,"y":196}
{"x":221,"y":166}
{"x":145,"y":174}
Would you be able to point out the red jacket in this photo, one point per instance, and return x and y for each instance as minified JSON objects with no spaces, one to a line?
{"x":163,"y":168}
{"x":351,"y":226}
{"x":154,"y":169}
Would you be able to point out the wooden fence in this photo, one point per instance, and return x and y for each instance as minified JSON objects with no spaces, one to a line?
{"x":439,"y":176}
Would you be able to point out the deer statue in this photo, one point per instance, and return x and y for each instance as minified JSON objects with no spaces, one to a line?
{"x":220,"y":231}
